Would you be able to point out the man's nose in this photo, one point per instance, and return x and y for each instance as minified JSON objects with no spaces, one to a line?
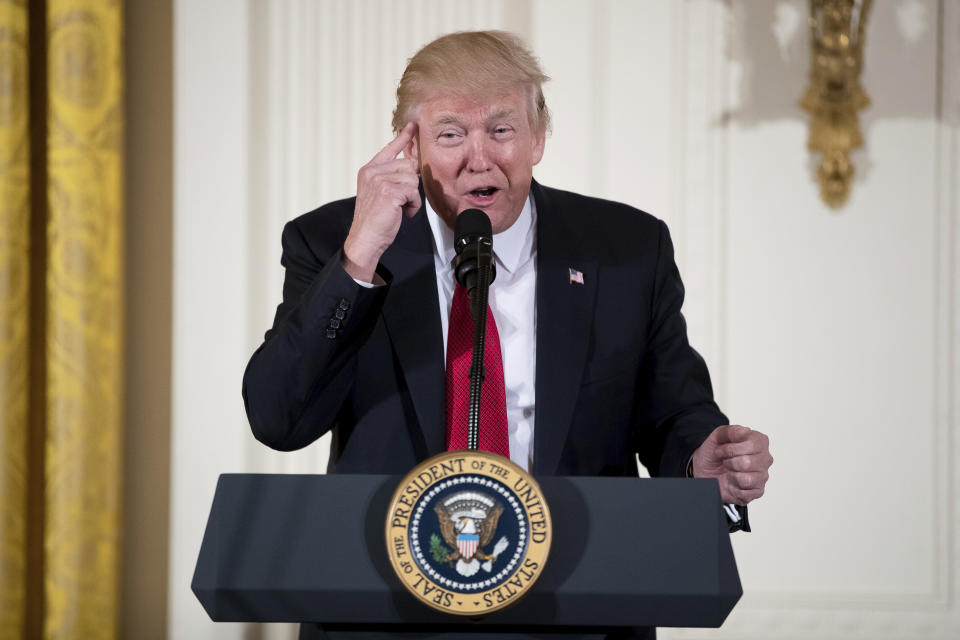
{"x":478,"y":155}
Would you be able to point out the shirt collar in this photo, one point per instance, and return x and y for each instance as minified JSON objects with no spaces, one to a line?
{"x":508,"y":245}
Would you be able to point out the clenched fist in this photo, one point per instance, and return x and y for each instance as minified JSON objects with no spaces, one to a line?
{"x":386,"y":190}
{"x":739,"y":458}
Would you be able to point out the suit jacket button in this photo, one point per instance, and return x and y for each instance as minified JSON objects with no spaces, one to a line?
{"x":340,"y":313}
{"x":334,"y":323}
{"x":331,"y":333}
{"x":344,"y":304}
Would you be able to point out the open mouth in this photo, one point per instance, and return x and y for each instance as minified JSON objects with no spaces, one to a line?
{"x":484,"y":192}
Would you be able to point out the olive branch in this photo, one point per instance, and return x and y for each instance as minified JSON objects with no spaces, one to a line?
{"x":438,"y":550}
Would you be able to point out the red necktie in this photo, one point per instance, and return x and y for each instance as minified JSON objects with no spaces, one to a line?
{"x":494,"y":436}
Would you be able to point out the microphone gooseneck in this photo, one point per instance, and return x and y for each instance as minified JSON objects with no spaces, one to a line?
{"x":474,"y":269}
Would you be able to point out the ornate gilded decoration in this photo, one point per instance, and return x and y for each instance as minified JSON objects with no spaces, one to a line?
{"x":835,"y":94}
{"x":14,"y":313}
{"x":84,"y":317}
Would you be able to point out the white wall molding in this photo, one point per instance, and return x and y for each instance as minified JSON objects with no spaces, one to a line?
{"x":701,"y":34}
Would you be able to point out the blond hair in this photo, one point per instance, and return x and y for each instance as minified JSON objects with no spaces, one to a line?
{"x":471,"y":63}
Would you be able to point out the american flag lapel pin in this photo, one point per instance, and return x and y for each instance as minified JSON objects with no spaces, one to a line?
{"x":575,"y":276}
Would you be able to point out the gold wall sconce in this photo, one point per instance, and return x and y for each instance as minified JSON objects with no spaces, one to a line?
{"x":835,"y":94}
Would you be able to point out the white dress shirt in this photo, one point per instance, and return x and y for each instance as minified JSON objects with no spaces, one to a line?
{"x":512,"y":300}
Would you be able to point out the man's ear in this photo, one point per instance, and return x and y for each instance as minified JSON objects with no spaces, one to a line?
{"x":539,"y":141}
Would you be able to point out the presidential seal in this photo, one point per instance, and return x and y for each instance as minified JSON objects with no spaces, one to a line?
{"x":468,"y":532}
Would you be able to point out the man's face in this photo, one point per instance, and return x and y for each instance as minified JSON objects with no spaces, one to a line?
{"x":477,"y":153}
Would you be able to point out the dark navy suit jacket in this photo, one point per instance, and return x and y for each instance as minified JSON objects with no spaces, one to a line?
{"x":615,"y":375}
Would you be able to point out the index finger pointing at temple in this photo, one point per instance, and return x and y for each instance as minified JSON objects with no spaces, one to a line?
{"x":395,"y":146}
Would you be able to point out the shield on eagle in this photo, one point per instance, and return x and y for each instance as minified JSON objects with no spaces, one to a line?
{"x":467,"y":544}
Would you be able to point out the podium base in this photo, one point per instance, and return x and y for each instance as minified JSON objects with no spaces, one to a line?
{"x":372,"y":632}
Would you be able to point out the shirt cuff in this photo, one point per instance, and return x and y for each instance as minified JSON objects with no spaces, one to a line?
{"x":377,"y":282}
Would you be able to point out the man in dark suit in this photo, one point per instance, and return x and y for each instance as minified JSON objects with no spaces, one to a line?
{"x":587,"y":301}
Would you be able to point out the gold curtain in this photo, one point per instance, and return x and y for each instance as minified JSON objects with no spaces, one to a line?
{"x":14,"y":313}
{"x":61,"y":267}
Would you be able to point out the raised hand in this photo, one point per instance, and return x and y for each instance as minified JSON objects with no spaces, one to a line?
{"x":386,"y":190}
{"x":739,"y":458}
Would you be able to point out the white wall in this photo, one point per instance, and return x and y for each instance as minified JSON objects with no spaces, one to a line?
{"x":210,"y":283}
{"x":834,"y":332}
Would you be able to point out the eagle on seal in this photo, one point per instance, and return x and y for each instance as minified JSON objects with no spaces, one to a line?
{"x":468,"y":523}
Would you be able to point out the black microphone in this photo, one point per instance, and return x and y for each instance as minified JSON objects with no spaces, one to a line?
{"x":473,"y":242}
{"x":474,"y":268}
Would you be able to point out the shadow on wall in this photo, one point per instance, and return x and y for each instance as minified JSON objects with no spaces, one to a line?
{"x":768,"y":51}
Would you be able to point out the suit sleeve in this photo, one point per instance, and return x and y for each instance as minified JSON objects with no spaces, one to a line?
{"x":675,"y":407}
{"x":299,"y":378}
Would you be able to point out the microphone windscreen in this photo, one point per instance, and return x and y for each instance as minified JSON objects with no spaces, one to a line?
{"x":470,"y":223}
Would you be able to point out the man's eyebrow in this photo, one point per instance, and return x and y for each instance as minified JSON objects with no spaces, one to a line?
{"x":443,"y":119}
{"x":501,"y":114}
{"x":446,"y":118}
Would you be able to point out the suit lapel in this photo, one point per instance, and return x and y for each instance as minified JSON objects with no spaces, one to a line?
{"x":564,"y":321}
{"x":411,"y":315}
